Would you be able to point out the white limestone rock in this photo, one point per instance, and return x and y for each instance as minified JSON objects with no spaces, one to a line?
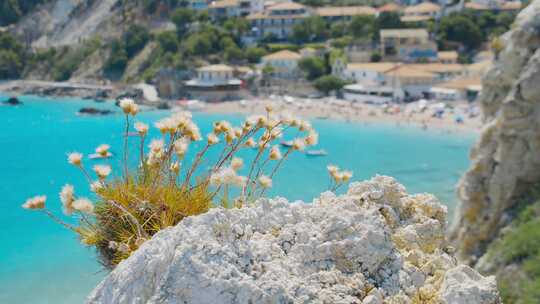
{"x":463,"y":284}
{"x":375,"y":244}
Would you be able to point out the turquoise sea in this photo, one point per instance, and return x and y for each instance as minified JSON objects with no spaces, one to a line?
{"x":41,"y":262}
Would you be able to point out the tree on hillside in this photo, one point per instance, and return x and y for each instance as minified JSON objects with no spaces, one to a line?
{"x":460,"y":29}
{"x":12,"y":56}
{"x":313,"y":67}
{"x":363,"y":26}
{"x":118,"y":58}
{"x":338,"y":29}
{"x":329,"y":83}
{"x":342,"y":42}
{"x":10,"y":65}
{"x":388,"y":20}
{"x":236,"y":26}
{"x":182,"y":18}
{"x":12,"y":10}
{"x":231,"y":51}
{"x":135,"y":39}
{"x":168,"y":41}
{"x":310,"y":29}
{"x":254,"y":54}
{"x":198,"y":44}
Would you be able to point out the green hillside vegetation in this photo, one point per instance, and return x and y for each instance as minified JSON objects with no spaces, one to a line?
{"x":12,"y":57}
{"x":198,"y":40}
{"x":12,"y":11}
{"x":516,"y":254}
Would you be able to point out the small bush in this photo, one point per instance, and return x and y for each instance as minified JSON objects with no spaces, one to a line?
{"x":517,"y":253}
{"x":164,"y":188}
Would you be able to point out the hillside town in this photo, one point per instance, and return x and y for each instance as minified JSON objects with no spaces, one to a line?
{"x":204,"y":52}
{"x":402,"y":65}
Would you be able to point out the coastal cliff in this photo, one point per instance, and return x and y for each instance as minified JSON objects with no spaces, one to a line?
{"x":506,"y":159}
{"x":373,"y":244}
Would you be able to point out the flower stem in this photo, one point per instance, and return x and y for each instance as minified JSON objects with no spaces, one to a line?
{"x":59,"y":221}
{"x":195,"y":165}
{"x":126,"y":176}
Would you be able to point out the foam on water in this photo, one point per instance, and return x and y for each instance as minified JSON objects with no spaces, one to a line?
{"x":40,"y":262}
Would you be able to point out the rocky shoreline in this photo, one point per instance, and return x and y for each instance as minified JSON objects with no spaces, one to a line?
{"x":79,"y":90}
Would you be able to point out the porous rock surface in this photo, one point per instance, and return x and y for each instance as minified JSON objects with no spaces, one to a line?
{"x":376,"y":244}
{"x":506,"y":159}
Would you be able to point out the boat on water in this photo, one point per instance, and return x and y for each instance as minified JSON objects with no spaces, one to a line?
{"x":320,"y":152}
{"x":99,"y":156}
{"x":287,"y":144}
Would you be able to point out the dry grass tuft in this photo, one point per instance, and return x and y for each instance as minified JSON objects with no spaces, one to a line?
{"x":164,"y":188}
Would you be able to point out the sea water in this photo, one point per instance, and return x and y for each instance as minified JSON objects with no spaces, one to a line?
{"x":41,"y":262}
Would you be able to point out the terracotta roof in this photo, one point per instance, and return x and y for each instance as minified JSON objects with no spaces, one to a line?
{"x":286,"y":6}
{"x":475,"y":6}
{"x":404,"y":33}
{"x":216,"y":68}
{"x":380,"y":67}
{"x":512,"y":5}
{"x":508,"y":5}
{"x":421,"y":70}
{"x":447,"y":55}
{"x":409,"y":71}
{"x":264,"y":16}
{"x":389,"y":7}
{"x":285,"y":54}
{"x":422,"y":8}
{"x":439,"y":67}
{"x":224,"y":3}
{"x":334,"y":11}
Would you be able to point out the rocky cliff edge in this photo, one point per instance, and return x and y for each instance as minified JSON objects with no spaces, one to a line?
{"x":506,"y":159}
{"x":372,"y":245}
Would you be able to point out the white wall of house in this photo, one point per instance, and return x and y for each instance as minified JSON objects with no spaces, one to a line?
{"x":214,"y":77}
{"x":363,"y":76}
{"x":282,"y":67}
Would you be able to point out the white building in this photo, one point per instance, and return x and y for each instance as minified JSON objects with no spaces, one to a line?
{"x":278,"y":19}
{"x":413,"y":79}
{"x":284,"y":63}
{"x":344,"y":13}
{"x":224,"y":9}
{"x":370,"y":72}
{"x":407,"y":45}
{"x":214,"y":83}
{"x":447,"y":57}
{"x":374,"y":94}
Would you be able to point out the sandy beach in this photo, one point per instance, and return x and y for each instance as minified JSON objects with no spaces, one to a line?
{"x":324,"y":108}
{"x":342,"y":110}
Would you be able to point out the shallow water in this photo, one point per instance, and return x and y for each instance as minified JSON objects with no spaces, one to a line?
{"x":40,"y":262}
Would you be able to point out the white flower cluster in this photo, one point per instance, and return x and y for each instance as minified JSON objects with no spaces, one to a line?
{"x":70,"y":203}
{"x":339,"y":176}
{"x":182,"y":123}
{"x":36,"y":202}
{"x":228,"y":176}
{"x":129,"y":106}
